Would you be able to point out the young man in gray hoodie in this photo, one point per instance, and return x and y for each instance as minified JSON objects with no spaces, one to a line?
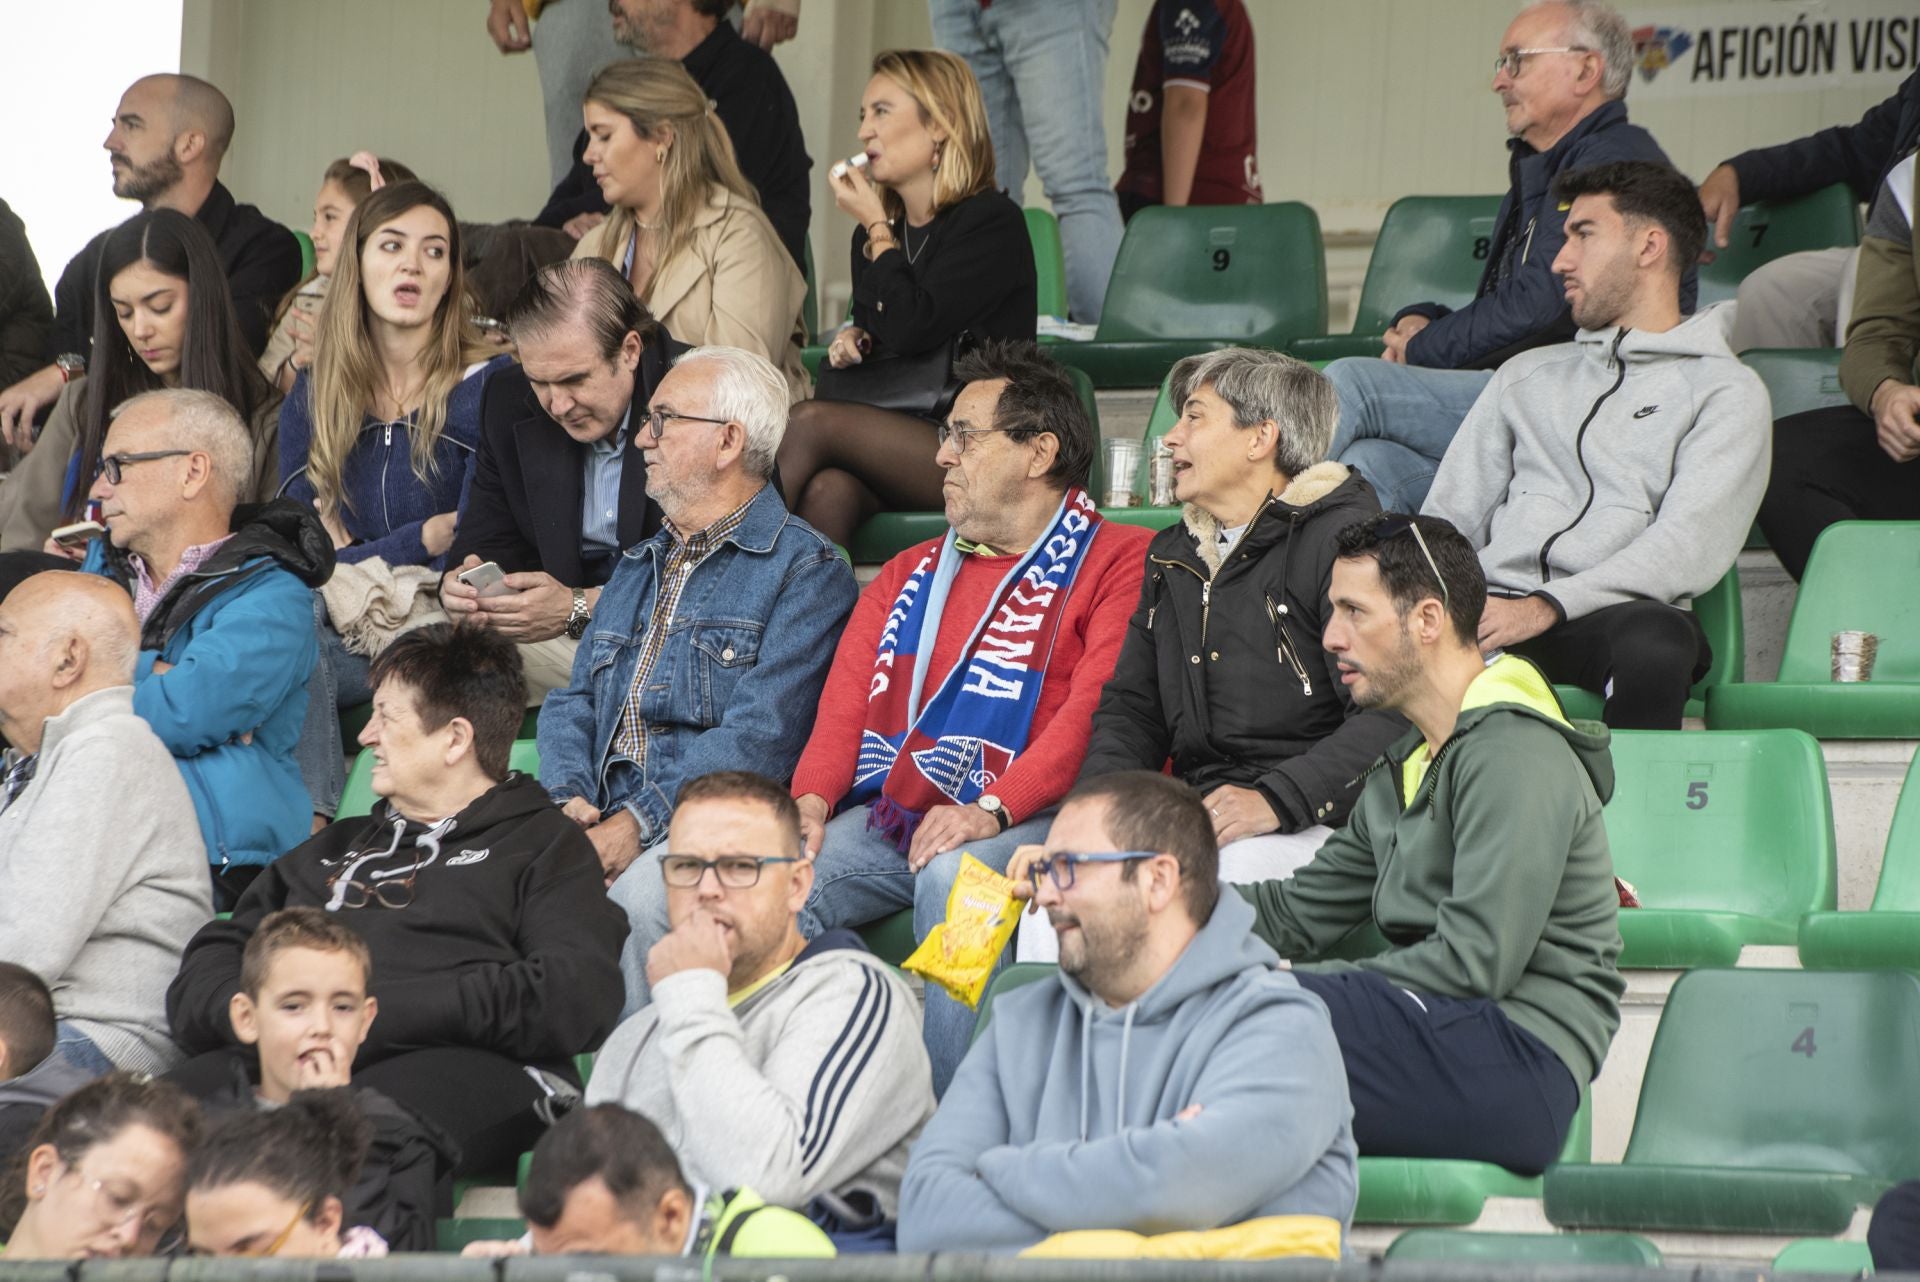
{"x":1170,"y":1078}
{"x":103,"y":875}
{"x":1607,"y":481}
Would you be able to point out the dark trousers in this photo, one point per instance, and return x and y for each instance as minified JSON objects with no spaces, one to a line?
{"x":1445,"y":1077}
{"x":1644,"y":655}
{"x":489,"y":1105}
{"x":1894,"y":1234}
{"x":1828,"y":466}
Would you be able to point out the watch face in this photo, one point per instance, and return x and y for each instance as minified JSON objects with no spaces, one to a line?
{"x":577,"y":627}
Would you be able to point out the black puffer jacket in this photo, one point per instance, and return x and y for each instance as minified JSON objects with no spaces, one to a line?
{"x":1222,"y":668}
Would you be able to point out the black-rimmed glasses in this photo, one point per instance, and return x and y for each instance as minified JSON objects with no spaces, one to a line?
{"x":656,"y":421}
{"x":735,"y":872}
{"x":1398,"y":523}
{"x":1060,"y":867}
{"x":114,"y":464}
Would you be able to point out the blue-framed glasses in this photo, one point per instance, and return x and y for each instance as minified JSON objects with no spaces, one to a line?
{"x":1060,"y":867}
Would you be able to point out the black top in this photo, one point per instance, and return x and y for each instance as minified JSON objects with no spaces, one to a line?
{"x":26,"y":313}
{"x":1859,"y":155}
{"x":752,"y":100}
{"x":971,"y":269}
{"x":261,"y":257}
{"x":523,"y":507}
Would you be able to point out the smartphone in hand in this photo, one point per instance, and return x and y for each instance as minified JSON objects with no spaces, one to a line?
{"x":488,"y":579}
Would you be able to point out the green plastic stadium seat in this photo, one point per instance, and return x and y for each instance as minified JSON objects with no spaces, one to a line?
{"x":1192,"y":279}
{"x":1862,"y":575}
{"x":1824,"y":1255}
{"x":453,"y":1235}
{"x":1525,"y":1248}
{"x":1718,"y":609}
{"x":891,"y":533}
{"x":1774,"y":1101}
{"x":1431,"y":249}
{"x":891,"y":938}
{"x":1727,"y":836}
{"x":1798,"y":379}
{"x":1018,"y":975}
{"x":1049,"y":262}
{"x":306,"y":253}
{"x":1428,"y":1190}
{"x":1889,"y":933}
{"x":357,"y":798}
{"x":1767,"y":230}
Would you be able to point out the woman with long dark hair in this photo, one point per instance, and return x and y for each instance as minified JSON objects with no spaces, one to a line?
{"x":163,"y":318}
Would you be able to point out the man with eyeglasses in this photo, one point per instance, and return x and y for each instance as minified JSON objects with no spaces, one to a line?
{"x":1475,"y":859}
{"x":1561,"y":73}
{"x":495,"y":954}
{"x":225,"y":602}
{"x":1169,"y":1092}
{"x":956,"y":713}
{"x":710,"y":643}
{"x":560,"y":485}
{"x":790,"y":1066}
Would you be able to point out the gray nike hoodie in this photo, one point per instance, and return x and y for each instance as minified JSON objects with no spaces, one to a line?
{"x":1622,"y":466}
{"x":1065,"y":1113}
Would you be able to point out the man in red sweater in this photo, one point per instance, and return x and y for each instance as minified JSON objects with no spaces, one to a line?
{"x":957,"y":710}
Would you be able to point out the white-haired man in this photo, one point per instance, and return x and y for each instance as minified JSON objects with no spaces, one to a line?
{"x":710,"y":643}
{"x":225,"y":605}
{"x":96,"y":899}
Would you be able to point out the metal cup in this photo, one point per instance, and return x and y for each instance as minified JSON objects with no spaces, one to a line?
{"x":1123,"y":473}
{"x":1853,"y":656}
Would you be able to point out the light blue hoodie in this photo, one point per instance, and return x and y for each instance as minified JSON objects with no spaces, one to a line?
{"x":1063,"y":1115}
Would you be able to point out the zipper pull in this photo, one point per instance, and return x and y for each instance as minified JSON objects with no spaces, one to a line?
{"x":389,"y":435}
{"x":1206,"y":593}
{"x":1151,"y":610}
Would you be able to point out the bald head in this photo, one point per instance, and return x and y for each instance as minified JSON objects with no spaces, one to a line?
{"x":63,"y":636}
{"x":169,"y":134}
{"x":199,"y":105}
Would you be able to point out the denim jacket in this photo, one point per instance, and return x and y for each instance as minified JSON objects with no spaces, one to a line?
{"x":736,"y":684}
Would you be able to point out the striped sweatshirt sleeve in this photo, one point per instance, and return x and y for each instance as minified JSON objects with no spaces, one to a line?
{"x":844,"y":1087}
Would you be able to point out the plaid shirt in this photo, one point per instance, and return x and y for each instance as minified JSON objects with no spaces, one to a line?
{"x":630,"y":740}
{"x":147,"y":594}
{"x":16,"y":772}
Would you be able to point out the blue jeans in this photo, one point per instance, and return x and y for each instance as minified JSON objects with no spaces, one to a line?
{"x":642,"y":895}
{"x":1396,"y":422}
{"x":79,"y":1050}
{"x":339,"y":681}
{"x":1041,"y":65}
{"x":861,"y":877}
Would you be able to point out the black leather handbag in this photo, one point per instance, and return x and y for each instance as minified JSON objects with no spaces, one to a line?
{"x":921,"y":384}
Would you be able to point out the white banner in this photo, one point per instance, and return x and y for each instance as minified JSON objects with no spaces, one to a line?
{"x":1772,"y":46}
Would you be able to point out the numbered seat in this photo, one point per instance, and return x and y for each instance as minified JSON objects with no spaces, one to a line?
{"x":1770,"y":229}
{"x":1721,"y":618}
{"x":1774,"y":1101}
{"x":891,"y":533}
{"x":1431,"y":249}
{"x":1861,"y":576}
{"x":1888,"y":934}
{"x":1193,"y":279}
{"x":1525,"y":1248}
{"x":357,"y":798}
{"x":1727,"y":838}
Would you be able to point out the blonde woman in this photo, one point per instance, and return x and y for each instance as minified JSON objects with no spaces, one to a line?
{"x":685,"y":226}
{"x":938,"y":251}
{"x":380,"y":434}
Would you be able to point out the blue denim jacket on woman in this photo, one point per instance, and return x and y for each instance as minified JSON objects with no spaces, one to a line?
{"x":736,"y":684}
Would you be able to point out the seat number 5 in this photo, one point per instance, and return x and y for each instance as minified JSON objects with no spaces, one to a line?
{"x":1697,"y":795}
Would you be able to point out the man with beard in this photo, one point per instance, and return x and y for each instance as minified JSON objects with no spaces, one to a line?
{"x":1477,"y":848}
{"x":169,"y":135}
{"x":1608,"y":481}
{"x":1171,"y":1091}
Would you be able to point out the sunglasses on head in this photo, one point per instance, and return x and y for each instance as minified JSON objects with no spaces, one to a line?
{"x":1393,"y":526}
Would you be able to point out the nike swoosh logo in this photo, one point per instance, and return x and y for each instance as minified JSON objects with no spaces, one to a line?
{"x":1645,"y":410}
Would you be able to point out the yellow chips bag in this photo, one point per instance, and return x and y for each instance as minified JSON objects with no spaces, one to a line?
{"x":959,"y":953}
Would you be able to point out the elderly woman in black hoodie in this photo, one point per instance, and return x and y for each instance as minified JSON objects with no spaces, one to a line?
{"x":1222,"y":670}
{"x":495,"y":949}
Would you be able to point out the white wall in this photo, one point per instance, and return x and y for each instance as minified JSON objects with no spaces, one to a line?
{"x":1360,"y":100}
{"x":58,"y":109}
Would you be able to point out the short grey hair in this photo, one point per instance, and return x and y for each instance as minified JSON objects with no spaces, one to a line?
{"x":747,"y":390}
{"x":205,"y":422}
{"x":1598,"y":26}
{"x":1258,"y":385}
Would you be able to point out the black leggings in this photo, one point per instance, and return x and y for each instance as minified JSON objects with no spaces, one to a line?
{"x":1650,"y":652}
{"x":1828,"y":466}
{"x":1445,"y":1076}
{"x":841,"y":462}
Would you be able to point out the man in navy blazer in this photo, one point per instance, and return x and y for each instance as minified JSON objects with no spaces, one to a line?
{"x":558,"y":489}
